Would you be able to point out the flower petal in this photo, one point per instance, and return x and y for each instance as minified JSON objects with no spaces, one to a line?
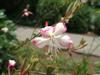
{"x":45,"y":32}
{"x":65,"y":41}
{"x":39,"y":42}
{"x":60,"y":28}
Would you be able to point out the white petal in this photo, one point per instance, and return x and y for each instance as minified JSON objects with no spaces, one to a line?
{"x":60,"y":28}
{"x":65,"y":41}
{"x":40,"y":42}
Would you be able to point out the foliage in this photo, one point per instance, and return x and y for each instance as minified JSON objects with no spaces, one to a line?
{"x":7,"y":40}
{"x":64,"y":64}
{"x":33,"y":60}
{"x":83,"y":68}
{"x":97,"y":69}
{"x":97,"y":24}
{"x":81,"y":21}
{"x":49,"y":10}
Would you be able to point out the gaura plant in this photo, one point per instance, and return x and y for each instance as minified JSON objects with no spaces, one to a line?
{"x":53,"y":38}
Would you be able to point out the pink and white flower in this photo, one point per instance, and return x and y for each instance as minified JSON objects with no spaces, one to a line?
{"x":26,"y":13}
{"x":11,"y":64}
{"x":54,"y":38}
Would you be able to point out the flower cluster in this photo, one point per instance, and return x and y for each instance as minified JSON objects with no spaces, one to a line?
{"x":54,"y":38}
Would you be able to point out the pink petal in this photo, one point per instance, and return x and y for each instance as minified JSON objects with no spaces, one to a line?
{"x":66,"y":42}
{"x":60,"y":28}
{"x":46,"y":30}
{"x":39,"y":42}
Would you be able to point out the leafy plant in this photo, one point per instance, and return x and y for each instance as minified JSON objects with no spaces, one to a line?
{"x":82,"y":68}
{"x":7,"y":40}
{"x":97,"y":67}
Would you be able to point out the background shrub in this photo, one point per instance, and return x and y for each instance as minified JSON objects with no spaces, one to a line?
{"x":7,"y":41}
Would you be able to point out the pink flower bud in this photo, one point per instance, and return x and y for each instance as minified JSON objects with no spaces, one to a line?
{"x":46,"y":23}
{"x":26,"y":13}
